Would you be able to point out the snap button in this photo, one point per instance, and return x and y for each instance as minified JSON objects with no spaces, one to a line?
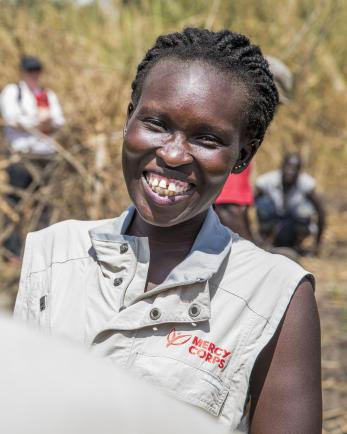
{"x":124,"y":248}
{"x":194,"y":310}
{"x":155,"y":313}
{"x":117,"y":281}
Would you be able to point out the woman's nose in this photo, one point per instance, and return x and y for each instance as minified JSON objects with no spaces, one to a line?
{"x":175,"y":153}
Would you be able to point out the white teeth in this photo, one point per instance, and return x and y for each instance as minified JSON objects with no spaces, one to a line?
{"x":165,"y":188}
{"x":172,"y":187}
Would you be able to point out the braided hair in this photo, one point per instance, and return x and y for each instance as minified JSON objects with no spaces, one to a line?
{"x":230,"y":52}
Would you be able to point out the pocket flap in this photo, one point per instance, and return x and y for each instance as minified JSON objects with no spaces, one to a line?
{"x":192,"y":385}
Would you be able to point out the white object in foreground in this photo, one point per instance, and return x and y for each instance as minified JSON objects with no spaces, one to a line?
{"x":49,"y":386}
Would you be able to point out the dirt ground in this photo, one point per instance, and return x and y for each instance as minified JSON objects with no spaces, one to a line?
{"x":331,"y":275}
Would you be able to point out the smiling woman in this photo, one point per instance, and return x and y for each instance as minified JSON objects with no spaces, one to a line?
{"x":165,"y":289}
{"x":189,"y":120}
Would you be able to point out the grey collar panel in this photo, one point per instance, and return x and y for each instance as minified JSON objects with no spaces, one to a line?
{"x":209,"y":250}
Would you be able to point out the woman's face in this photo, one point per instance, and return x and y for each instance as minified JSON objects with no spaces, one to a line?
{"x":181,"y":140}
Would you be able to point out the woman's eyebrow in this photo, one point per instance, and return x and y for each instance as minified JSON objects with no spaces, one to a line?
{"x":154,"y":109}
{"x":202,"y":125}
{"x":219,"y":130}
{"x":151,"y":105}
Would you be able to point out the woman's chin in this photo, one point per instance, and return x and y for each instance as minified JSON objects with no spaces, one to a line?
{"x":162,"y":218}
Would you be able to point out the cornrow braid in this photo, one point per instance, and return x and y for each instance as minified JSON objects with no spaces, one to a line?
{"x":229,"y":51}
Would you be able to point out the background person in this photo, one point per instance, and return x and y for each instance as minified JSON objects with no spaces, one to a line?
{"x":286,"y":204}
{"x":234,"y":201}
{"x":283,"y":78}
{"x":26,"y":106}
{"x":232,"y":205}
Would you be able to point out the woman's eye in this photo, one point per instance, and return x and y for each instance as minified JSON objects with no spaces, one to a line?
{"x":208,"y":140}
{"x":155,"y":124}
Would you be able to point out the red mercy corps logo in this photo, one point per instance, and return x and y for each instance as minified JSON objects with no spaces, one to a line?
{"x":206,"y":350}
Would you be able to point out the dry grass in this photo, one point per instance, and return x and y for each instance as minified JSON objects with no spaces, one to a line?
{"x":90,"y":56}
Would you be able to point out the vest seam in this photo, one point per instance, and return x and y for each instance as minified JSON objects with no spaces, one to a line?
{"x":120,"y":241}
{"x":57,"y":262}
{"x":243,"y":299}
{"x":185,"y":364}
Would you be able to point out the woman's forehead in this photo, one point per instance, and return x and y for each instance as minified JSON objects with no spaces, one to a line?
{"x":195,"y":85}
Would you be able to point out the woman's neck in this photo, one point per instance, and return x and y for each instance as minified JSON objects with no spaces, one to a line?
{"x":182,"y":233}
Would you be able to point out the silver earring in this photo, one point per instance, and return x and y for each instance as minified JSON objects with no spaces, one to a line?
{"x":240,"y":166}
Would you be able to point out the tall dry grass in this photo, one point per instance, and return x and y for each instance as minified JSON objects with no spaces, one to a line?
{"x":91,"y":53}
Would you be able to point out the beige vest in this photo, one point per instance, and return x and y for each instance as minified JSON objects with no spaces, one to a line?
{"x":196,"y":335}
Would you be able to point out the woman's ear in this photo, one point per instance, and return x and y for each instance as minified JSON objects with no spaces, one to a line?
{"x":130,"y":111}
{"x":246,"y":154}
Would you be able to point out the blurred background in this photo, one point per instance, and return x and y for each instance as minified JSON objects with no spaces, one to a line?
{"x":90,"y":50}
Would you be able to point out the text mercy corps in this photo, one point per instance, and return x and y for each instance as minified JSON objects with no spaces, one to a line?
{"x":206,"y":350}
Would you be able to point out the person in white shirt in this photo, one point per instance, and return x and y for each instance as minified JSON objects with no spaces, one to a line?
{"x":26,"y":106}
{"x":287,"y":203}
{"x":28,"y":110}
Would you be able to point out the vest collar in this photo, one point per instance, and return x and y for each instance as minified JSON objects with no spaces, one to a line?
{"x":211,"y":246}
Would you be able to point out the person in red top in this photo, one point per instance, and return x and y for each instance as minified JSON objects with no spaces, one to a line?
{"x":233,"y":202}
{"x":237,"y":196}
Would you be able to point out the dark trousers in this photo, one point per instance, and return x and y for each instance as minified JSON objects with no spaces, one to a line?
{"x":20,"y":177}
{"x":287,"y":230}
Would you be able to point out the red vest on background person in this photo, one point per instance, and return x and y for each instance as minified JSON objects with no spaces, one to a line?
{"x":42,"y":103}
{"x":237,"y":189}
{"x":41,"y":97}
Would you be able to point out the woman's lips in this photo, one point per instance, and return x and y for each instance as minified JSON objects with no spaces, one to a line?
{"x":166,"y":191}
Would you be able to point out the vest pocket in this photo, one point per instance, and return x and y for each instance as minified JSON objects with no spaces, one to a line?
{"x":192,"y":385}
{"x":38,"y":302}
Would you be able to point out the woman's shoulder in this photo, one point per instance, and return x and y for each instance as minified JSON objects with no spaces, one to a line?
{"x":262,"y":279}
{"x":247,"y":253}
{"x":60,"y":242}
{"x":67,"y":230}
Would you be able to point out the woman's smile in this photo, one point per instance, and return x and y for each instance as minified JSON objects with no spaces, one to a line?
{"x":165,"y":190}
